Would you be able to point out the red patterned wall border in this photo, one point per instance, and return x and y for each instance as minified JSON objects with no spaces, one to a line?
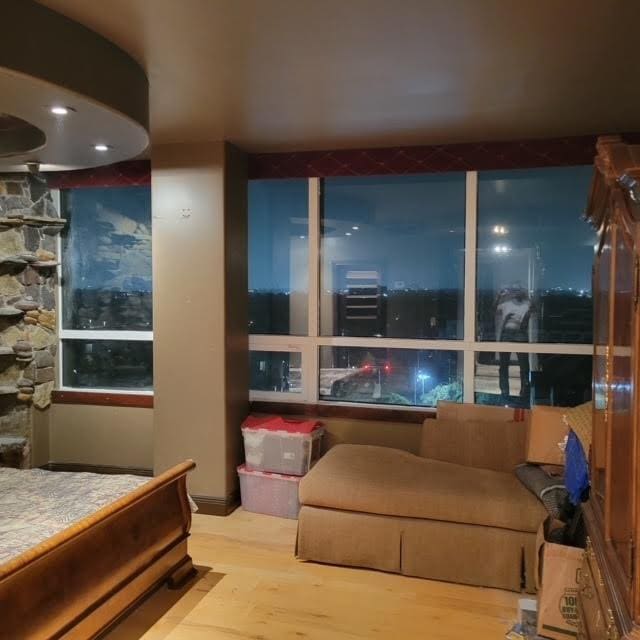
{"x":479,"y":156}
{"x":122,"y":174}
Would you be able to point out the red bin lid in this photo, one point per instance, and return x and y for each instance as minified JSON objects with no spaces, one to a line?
{"x":278,"y":423}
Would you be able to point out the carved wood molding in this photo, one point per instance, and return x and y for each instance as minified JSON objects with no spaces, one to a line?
{"x":610,"y":571}
{"x":617,"y":178}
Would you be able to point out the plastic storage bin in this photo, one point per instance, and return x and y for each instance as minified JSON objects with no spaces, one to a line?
{"x":271,"y":493}
{"x":281,"y":446}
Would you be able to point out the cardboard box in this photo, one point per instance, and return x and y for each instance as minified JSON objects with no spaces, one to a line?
{"x":546,"y":433}
{"x":558,"y":596}
{"x":461,"y":412}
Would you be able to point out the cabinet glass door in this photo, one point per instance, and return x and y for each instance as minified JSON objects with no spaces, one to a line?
{"x":621,"y":486}
{"x":602,"y":294}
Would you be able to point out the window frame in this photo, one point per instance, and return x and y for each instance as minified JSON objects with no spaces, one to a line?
{"x":309,"y":345}
{"x":87,"y":334}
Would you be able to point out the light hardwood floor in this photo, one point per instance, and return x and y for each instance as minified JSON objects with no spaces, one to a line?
{"x":250,"y":587}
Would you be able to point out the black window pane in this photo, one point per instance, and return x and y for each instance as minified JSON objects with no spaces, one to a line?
{"x":528,"y":379}
{"x":107,"y":364}
{"x":106,"y":259}
{"x":276,"y":371}
{"x":535,"y":254}
{"x":392,"y":256}
{"x":278,"y":256}
{"x":390,"y":376}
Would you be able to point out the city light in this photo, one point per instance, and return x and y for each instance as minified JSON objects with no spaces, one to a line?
{"x":501,"y":248}
{"x":500,"y":230}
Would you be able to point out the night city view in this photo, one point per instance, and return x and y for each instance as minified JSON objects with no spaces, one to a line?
{"x":392,"y":266}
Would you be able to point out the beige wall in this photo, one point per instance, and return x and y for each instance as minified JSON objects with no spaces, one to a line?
{"x":40,"y":443}
{"x":200,"y":339}
{"x":199,"y":310}
{"x":397,"y":435}
{"x":97,"y":435}
{"x":123,"y":436}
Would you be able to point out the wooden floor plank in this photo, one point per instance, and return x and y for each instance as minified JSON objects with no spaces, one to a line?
{"x":251,"y":587}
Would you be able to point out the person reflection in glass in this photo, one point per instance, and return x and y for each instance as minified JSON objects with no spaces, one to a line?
{"x":512,"y":315}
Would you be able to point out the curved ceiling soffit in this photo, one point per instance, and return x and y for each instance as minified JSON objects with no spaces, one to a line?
{"x":47,"y":61}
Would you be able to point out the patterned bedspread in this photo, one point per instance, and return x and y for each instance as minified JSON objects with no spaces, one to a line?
{"x":36,"y":504}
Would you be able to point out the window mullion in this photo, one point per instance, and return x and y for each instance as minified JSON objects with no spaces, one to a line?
{"x":314,"y":258}
{"x":470,"y":262}
{"x":310,"y":372}
{"x":57,"y":202}
{"x":93,"y":334}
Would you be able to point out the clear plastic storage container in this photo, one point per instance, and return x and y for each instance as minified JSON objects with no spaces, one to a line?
{"x":281,"y":446}
{"x":271,"y":493}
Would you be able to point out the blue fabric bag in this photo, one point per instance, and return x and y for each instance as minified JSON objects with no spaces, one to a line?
{"x":576,"y":473}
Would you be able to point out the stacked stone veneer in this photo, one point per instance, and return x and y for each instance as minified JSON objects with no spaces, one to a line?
{"x":29,"y":224}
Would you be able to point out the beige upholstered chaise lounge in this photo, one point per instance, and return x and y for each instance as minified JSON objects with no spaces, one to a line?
{"x":456,"y":513}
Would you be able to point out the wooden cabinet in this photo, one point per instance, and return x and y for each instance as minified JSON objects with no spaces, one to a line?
{"x":609,"y":596}
{"x":596,"y":615}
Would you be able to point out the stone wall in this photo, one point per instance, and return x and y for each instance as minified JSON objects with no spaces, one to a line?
{"x":29,"y":223}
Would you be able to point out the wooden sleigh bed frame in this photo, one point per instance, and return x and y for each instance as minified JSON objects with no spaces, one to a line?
{"x":79,"y":582}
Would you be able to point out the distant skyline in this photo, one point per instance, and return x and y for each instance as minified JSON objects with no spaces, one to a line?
{"x":380,"y":221}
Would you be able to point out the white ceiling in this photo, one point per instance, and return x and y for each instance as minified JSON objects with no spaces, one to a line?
{"x":297,"y":74}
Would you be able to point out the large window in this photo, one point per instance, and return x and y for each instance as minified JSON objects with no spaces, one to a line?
{"x":390,"y":376}
{"x":278,"y":256}
{"x":468,"y":287}
{"x":106,"y":300}
{"x":392,"y":257}
{"x":534,"y":256}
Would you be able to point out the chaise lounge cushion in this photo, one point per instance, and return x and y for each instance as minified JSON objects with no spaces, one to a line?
{"x":489,"y":444}
{"x":391,"y":482}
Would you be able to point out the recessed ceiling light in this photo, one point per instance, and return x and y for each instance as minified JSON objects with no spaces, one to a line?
{"x":101,"y":147}
{"x":355,"y":228}
{"x":60,"y":110}
{"x":348,"y":233}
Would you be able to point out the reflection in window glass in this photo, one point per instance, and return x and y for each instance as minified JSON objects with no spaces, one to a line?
{"x":278,"y":256}
{"x":390,"y":376}
{"x":107,"y":364}
{"x":106,"y":259}
{"x":527,"y":379}
{"x":534,"y":256}
{"x":276,"y":371}
{"x":393,"y":256}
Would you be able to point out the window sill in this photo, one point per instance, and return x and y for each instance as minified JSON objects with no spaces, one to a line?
{"x":104,"y":398}
{"x":354,"y":412}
